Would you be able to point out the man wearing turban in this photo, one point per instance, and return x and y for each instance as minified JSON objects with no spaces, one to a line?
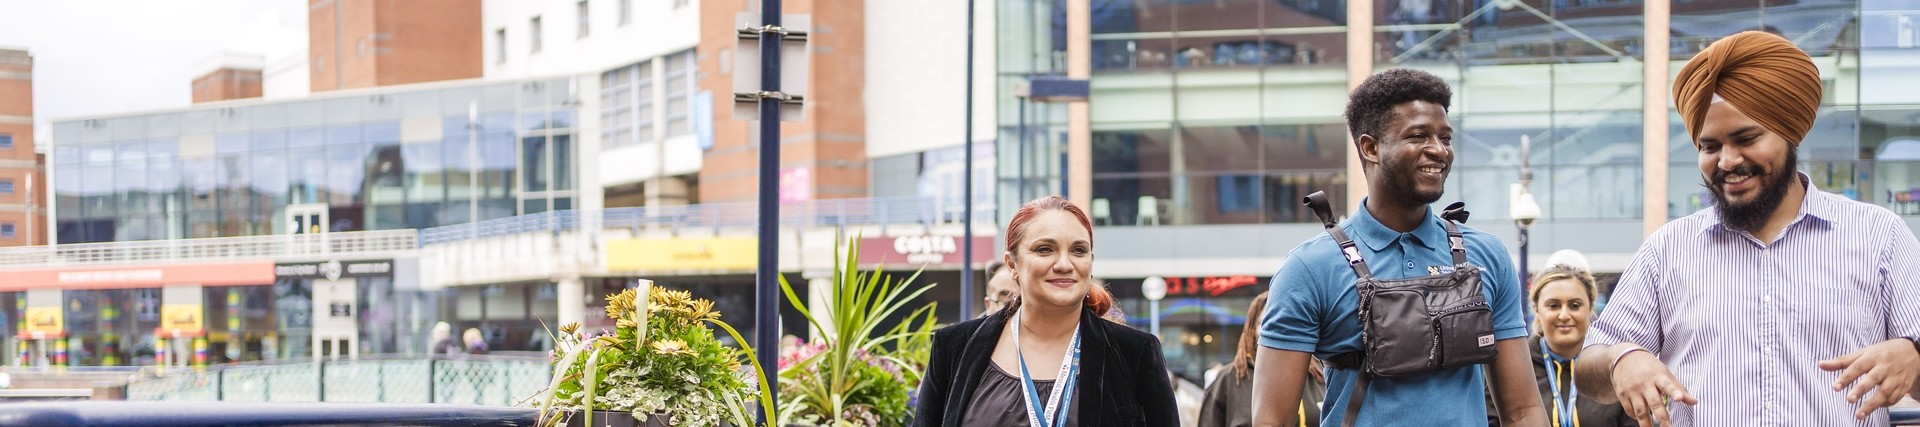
{"x":1780,"y":304}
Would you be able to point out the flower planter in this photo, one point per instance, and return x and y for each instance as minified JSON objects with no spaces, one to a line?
{"x":621,"y":419}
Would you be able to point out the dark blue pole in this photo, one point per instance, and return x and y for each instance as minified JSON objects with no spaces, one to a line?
{"x":966,"y":192}
{"x":767,"y":286}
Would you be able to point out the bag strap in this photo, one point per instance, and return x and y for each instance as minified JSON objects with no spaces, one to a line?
{"x":1353,"y":402}
{"x":1318,"y":203}
{"x":1454,"y":215}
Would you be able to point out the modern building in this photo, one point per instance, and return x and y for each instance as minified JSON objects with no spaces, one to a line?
{"x":23,"y":217}
{"x":1208,"y":121}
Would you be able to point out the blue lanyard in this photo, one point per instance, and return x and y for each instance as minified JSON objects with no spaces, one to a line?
{"x":1061,"y":398}
{"x":1561,"y":405}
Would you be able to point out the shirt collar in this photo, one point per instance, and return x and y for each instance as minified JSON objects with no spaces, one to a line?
{"x":1817,"y":205}
{"x":1377,"y":236}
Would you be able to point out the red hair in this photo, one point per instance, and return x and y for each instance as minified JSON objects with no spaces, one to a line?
{"x":1098,"y":299}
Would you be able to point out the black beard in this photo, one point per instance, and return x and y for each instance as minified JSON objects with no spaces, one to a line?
{"x":1753,"y":215}
{"x":1400,"y":187}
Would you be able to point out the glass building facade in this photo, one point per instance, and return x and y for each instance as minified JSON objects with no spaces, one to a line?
{"x":1209,"y":112}
{"x":393,"y":158}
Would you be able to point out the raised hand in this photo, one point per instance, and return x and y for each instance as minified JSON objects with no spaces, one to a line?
{"x":1644,"y":387}
{"x":1890,"y":366}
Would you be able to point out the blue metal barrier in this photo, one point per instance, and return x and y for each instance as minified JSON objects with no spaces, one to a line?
{"x":168,"y":414}
{"x":1908,"y":416}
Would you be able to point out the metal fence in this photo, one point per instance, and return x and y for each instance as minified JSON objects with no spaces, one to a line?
{"x":371,"y":243}
{"x":495,"y":381}
{"x":829,"y":212}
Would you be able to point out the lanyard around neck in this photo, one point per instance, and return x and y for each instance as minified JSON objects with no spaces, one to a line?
{"x":1056,"y":407}
{"x":1563,"y":407}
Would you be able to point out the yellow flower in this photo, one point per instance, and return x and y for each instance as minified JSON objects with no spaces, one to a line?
{"x":619,"y":303}
{"x":671,"y":348}
{"x":703,"y":309}
{"x":666,"y":299}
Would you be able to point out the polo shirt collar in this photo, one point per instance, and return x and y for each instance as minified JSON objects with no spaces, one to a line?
{"x":1377,"y":236}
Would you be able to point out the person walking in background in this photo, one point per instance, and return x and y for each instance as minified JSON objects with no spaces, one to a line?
{"x":1779,"y":305}
{"x":1001,"y":291}
{"x":443,"y":343}
{"x":1048,"y":359}
{"x":1229,"y":401}
{"x":476,"y":343}
{"x":1562,"y":301}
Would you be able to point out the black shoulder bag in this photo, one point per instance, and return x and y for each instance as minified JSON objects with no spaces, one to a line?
{"x":1415,"y":325}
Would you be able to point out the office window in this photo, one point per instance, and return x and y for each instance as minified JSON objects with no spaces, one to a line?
{"x":626,"y":12}
{"x":679,"y":75}
{"x":500,"y":46}
{"x":535,"y":37}
{"x":6,"y":186}
{"x":581,"y":9}
{"x":6,"y":141}
{"x":6,"y":230}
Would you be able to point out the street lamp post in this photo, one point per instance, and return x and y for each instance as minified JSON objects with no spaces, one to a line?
{"x":1154,"y":288}
{"x":1523,"y":208}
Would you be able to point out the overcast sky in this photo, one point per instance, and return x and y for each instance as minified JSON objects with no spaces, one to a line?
{"x":94,"y":57}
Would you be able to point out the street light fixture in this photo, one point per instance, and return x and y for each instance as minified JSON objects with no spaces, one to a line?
{"x":1155,"y":289}
{"x":1523,"y":209}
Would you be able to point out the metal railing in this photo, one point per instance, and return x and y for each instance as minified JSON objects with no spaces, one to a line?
{"x":826,"y":213}
{"x":246,"y":247}
{"x":495,"y":381}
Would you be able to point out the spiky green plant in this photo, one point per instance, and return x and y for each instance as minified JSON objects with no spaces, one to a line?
{"x":860,"y":375}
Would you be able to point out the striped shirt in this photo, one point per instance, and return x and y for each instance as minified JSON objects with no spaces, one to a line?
{"x":1744,"y":324}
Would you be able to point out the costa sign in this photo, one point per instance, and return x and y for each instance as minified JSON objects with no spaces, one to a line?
{"x":922,"y":249}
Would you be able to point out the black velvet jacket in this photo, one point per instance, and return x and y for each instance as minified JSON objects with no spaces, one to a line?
{"x":1123,"y":378}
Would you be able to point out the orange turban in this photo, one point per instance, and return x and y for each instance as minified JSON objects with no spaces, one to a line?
{"x":1763,"y":75}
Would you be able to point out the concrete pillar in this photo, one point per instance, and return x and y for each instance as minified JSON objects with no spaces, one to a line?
{"x":1359,"y":66}
{"x":1080,"y":114}
{"x":571,"y":295}
{"x":1654,"y":119}
{"x":820,"y":286}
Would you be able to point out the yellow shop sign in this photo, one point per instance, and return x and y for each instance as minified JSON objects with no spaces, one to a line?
{"x":43,"y":322}
{"x":718,"y":253}
{"x":181,"y":320}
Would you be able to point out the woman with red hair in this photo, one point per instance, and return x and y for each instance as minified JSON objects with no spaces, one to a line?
{"x":1048,"y":360}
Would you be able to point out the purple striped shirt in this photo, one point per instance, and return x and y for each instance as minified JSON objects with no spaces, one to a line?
{"x":1744,"y":324}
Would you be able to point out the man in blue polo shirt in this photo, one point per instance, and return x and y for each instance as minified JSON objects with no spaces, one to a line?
{"x":1399,"y":123}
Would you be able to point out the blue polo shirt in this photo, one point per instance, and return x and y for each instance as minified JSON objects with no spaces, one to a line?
{"x":1314,"y":308}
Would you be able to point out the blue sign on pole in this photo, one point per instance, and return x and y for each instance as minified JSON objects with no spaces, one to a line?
{"x":703,"y":119}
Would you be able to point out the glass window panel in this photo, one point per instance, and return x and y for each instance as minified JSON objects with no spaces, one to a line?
{"x":269,"y":180}
{"x":1284,"y":189}
{"x":1132,"y":151}
{"x":267,"y":116}
{"x":235,"y":181}
{"x":536,"y":162}
{"x":346,"y":167}
{"x":381,"y":132}
{"x":1131,"y":200}
{"x":1221,"y":148}
{"x":563,"y":162}
{"x":497,"y":171}
{"x":307,"y":173}
{"x":1305,"y":146}
{"x":68,"y":189}
{"x":231,"y":143}
{"x":426,"y":175}
{"x":533,"y":206}
{"x":306,"y":137}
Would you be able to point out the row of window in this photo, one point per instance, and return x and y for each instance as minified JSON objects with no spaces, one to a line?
{"x":582,"y":22}
{"x":627,"y":99}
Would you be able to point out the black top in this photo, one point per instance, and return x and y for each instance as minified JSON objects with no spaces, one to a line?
{"x":1123,"y":377}
{"x":1591,"y":413}
{"x":1229,"y":401}
{"x":1000,"y":401}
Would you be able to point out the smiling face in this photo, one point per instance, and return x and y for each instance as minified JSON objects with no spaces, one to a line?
{"x":1563,"y":309}
{"x":1747,"y":168}
{"x":1413,"y":154}
{"x":1052,"y":261}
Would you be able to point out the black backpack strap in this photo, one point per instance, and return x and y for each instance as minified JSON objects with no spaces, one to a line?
{"x":1454,"y":215}
{"x":1353,"y":402}
{"x":1318,"y":203}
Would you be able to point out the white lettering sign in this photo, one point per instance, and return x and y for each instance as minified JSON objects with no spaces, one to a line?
{"x":111,"y":276}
